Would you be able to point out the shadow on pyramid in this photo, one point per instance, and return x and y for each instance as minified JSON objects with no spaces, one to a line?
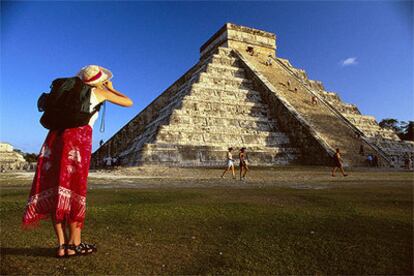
{"x":240,"y":94}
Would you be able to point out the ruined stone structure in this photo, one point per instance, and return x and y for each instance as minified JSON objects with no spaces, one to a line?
{"x":241,"y":94}
{"x":10,"y":159}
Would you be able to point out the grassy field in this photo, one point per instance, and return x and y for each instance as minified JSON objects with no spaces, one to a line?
{"x":352,"y":228}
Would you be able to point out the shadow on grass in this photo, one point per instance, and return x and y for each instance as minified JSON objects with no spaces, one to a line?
{"x":33,"y":251}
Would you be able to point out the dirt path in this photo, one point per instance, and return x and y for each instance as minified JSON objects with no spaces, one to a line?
{"x":291,"y":177}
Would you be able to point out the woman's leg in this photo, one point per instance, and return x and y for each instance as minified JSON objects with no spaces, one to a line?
{"x":74,"y":236}
{"x":232,"y":170}
{"x":75,"y":233}
{"x":342,"y":171}
{"x":61,"y":236}
{"x":225,"y":170}
{"x":241,"y":170}
{"x":245,"y":170}
{"x":75,"y":239}
{"x":333,"y":171}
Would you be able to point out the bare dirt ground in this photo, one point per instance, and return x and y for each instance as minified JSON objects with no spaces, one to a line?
{"x":299,"y":177}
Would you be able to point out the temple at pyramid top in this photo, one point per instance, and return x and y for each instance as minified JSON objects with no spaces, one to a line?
{"x":240,"y":94}
{"x":240,"y":37}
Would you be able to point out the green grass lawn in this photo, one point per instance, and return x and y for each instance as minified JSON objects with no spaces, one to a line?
{"x":276,"y":230}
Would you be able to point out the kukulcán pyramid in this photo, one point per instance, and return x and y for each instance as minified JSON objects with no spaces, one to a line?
{"x":232,"y":98}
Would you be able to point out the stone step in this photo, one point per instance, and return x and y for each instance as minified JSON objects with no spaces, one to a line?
{"x":222,"y":85}
{"x":215,"y":119}
{"x":222,"y":130}
{"x":224,"y":70}
{"x":345,"y":109}
{"x":225,"y":67}
{"x":215,"y":101}
{"x":364,"y":118}
{"x":219,"y":77}
{"x":204,"y":126}
{"x":223,"y":139}
{"x":230,"y":98}
{"x":175,"y":103}
{"x":223,"y":90}
{"x":224,"y":60}
{"x":223,"y":51}
{"x":225,"y":113}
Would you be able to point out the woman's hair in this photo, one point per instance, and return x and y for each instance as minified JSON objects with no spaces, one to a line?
{"x":230,"y":149}
{"x":337,"y":149}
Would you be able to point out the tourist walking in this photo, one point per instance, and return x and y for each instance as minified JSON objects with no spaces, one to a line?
{"x":269,"y":60}
{"x":114,"y":162}
{"x":60,"y":182}
{"x":108,"y":162}
{"x":408,"y":162}
{"x":338,"y":163}
{"x":370,"y":160}
{"x":243,"y":164}
{"x":375,"y":161}
{"x":230,"y":163}
{"x":361,"y":150}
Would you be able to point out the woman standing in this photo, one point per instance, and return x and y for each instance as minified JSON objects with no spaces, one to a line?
{"x":60,"y":182}
{"x":230,"y":163}
{"x":243,"y":163}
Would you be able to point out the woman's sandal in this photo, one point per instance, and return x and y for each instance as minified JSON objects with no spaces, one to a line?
{"x":81,"y":249}
{"x":61,"y":247}
{"x":90,"y":248}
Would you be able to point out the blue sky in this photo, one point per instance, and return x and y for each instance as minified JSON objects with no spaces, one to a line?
{"x":362,"y":50}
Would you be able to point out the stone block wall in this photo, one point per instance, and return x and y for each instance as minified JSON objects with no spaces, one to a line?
{"x":214,"y":108}
{"x":239,"y":37}
{"x":142,"y":128}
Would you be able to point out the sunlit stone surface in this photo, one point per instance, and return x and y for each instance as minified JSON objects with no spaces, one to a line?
{"x":241,"y":95}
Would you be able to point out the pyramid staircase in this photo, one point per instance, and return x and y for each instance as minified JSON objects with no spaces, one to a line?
{"x":385,"y":139}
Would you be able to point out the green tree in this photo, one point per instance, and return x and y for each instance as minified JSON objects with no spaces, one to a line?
{"x":404,"y":130}
{"x":30,"y":157}
{"x":390,"y":123}
{"x":407,"y":130}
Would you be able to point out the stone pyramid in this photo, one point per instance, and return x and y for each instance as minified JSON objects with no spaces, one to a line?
{"x":240,"y":94}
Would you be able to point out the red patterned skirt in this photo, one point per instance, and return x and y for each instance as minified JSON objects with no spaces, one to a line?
{"x":60,"y":182}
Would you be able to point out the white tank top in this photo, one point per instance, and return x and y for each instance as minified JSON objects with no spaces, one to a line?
{"x":94,"y":103}
{"x":229,"y":156}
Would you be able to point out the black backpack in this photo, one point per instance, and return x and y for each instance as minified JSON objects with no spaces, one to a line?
{"x":67,"y":105}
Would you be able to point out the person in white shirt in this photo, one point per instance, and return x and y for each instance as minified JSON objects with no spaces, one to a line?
{"x":229,"y":163}
{"x":108,"y":162}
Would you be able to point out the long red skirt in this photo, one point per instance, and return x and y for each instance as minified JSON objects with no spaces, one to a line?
{"x":60,"y":182}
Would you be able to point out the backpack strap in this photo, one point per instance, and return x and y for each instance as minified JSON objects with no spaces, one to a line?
{"x":102,"y":127}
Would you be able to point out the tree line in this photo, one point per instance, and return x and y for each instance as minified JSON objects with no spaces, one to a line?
{"x":404,"y":130}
